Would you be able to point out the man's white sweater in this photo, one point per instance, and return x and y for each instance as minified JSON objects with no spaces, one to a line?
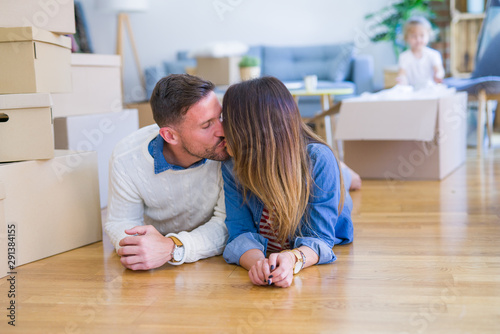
{"x":188,"y":203}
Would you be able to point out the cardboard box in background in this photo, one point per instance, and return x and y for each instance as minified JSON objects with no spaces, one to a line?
{"x":34,"y":61}
{"x":390,"y":75}
{"x":4,"y":268}
{"x":408,"y":140}
{"x":220,"y":71}
{"x":26,"y":127}
{"x":56,"y":16}
{"x":54,"y":203}
{"x":95,"y":132}
{"x":96,"y":81}
{"x":145,"y":113}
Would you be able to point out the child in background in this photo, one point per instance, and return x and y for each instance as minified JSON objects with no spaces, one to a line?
{"x":420,"y":65}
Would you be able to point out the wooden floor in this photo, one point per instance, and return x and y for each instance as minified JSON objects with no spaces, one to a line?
{"x":425,"y":259}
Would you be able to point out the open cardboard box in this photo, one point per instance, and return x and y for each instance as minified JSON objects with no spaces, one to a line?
{"x":26,"y":127}
{"x":96,"y":81}
{"x":34,"y":61}
{"x":421,"y":139}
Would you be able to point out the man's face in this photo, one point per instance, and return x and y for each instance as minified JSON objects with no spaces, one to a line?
{"x":201,"y":134}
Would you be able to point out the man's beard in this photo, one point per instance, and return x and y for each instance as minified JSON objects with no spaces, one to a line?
{"x":209,"y":153}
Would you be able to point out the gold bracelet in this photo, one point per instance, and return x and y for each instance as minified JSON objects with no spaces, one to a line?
{"x":300,"y":259}
{"x":302,"y":255}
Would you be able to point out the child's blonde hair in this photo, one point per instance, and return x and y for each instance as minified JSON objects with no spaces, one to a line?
{"x":417,"y":21}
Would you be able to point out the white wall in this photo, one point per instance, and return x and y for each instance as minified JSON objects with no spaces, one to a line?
{"x":172,"y":25}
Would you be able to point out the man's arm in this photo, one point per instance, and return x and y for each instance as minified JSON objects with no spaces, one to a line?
{"x":208,"y":239}
{"x":140,"y":247}
{"x":125,"y":206}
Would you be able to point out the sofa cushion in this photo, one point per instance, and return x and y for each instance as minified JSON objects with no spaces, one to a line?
{"x":178,"y":67}
{"x":152,"y":75}
{"x":328,"y":62}
{"x":340,"y":64}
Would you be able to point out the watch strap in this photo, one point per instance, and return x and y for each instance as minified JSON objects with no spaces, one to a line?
{"x":177,"y":244}
{"x":176,"y":241}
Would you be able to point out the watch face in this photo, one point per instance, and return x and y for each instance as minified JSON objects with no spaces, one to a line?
{"x":178,"y":253}
{"x":297,"y":267}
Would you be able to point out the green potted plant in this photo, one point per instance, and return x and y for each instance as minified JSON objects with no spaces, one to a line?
{"x":249,"y":67}
{"x":389,"y":21}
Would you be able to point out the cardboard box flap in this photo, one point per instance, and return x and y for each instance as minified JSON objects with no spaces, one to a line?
{"x":21,"y":101}
{"x":88,"y":59}
{"x":387,"y":120}
{"x":23,"y":34}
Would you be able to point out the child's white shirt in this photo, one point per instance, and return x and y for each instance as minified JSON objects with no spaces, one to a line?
{"x":419,"y":71}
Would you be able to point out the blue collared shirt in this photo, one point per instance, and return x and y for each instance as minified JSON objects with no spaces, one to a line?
{"x":155,"y":148}
{"x":324,"y":229}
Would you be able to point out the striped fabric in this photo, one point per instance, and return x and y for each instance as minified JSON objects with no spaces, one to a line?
{"x":267,"y":231}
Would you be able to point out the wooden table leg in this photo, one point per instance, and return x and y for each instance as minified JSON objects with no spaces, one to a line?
{"x":326,"y":103}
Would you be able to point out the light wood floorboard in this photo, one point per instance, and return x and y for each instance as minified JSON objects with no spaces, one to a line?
{"x":425,"y":259}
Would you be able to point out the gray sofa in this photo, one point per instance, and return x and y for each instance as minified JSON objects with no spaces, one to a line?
{"x":336,"y":66}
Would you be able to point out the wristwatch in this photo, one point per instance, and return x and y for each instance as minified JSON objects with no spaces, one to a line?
{"x":178,"y":252}
{"x":300,"y":259}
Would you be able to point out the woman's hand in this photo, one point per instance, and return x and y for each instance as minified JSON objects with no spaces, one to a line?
{"x":259,"y":273}
{"x":281,"y":266}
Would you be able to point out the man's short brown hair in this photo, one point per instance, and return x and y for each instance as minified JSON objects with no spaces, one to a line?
{"x":173,"y":95}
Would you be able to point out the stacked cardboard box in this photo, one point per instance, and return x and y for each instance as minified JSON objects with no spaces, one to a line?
{"x":96,"y":132}
{"x":145,"y":113}
{"x":53,"y":204}
{"x":52,"y":196}
{"x":3,"y":235}
{"x":221,"y":71}
{"x":92,"y":116}
{"x":26,"y":127}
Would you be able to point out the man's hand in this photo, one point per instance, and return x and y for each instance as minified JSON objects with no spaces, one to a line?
{"x":145,"y":249}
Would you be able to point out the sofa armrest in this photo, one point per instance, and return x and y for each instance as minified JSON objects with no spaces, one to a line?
{"x":362,"y":73}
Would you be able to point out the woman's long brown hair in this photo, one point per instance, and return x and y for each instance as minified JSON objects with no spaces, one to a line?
{"x":268,"y":140}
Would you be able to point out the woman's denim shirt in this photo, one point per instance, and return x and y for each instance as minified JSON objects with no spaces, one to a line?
{"x":325,"y":228}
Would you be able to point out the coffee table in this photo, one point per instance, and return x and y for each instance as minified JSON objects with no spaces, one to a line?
{"x":326,"y":94}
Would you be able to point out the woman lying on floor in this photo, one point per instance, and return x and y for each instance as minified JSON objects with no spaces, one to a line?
{"x":286,"y":203}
